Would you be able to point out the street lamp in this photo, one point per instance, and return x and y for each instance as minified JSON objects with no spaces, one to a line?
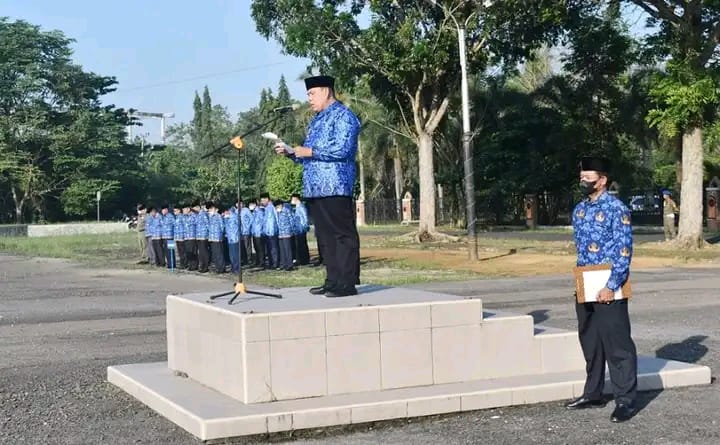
{"x":467,"y":134}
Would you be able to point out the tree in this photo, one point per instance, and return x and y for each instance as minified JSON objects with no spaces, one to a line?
{"x":686,"y":34}
{"x":54,"y":133}
{"x":284,"y":177}
{"x":410,"y":53}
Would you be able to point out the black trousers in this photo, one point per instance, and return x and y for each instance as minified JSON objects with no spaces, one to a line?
{"x":217,"y":252}
{"x":166,"y":252}
{"x":191,"y":259}
{"x":604,"y":331}
{"x":302,"y":254}
{"x":273,"y":252}
{"x":259,"y":245}
{"x":338,"y":239}
{"x":159,"y":251}
{"x":181,"y":256}
{"x":247,"y":242}
{"x":286,"y":257}
{"x":203,"y":253}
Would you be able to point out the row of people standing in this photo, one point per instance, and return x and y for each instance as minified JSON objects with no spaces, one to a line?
{"x":272,"y":235}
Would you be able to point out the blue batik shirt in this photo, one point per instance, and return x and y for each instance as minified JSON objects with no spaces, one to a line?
{"x":180,"y":229}
{"x":301,"y":219}
{"x":246,"y":219}
{"x":152,"y":226}
{"x":333,"y":137}
{"x":216,"y":230}
{"x":286,"y":222}
{"x":603,"y":235}
{"x":271,"y":221}
{"x":167,"y":225}
{"x":190,"y":229}
{"x":201,"y":225}
{"x":258,"y":222}
{"x":232,"y":227}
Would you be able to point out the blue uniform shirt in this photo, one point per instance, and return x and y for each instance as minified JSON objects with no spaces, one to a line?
{"x":301,"y":219}
{"x":603,"y":235}
{"x":286,"y":222}
{"x":167,"y":225}
{"x":271,"y":221}
{"x":231,"y":227}
{"x":217,"y":227}
{"x":179,"y":229}
{"x":190,"y":229}
{"x":201,"y":225}
{"x":333,"y":137}
{"x":258,"y":222}
{"x":152,"y":226}
{"x":246,"y":220}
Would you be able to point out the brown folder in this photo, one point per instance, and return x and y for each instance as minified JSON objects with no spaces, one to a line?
{"x":587,"y":278}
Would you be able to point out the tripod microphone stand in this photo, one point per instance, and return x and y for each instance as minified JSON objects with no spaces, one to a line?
{"x":237,"y":142}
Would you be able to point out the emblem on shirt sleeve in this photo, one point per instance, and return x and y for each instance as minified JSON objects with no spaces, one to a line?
{"x":599,"y":217}
{"x":625,"y":252}
{"x":594,"y":248}
{"x":626,"y":219}
{"x":580,"y":213}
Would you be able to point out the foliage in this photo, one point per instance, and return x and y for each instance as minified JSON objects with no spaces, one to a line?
{"x":284,"y":177}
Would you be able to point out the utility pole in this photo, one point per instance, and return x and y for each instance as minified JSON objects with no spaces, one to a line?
{"x":161,"y":116}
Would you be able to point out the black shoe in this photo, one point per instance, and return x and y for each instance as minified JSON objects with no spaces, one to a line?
{"x":341,"y":292}
{"x":623,"y":412}
{"x":319,"y":290}
{"x":584,"y":402}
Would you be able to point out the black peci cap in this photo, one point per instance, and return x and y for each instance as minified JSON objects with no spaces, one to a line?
{"x":594,"y":163}
{"x":319,"y":81}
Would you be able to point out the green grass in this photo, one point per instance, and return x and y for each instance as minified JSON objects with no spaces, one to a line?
{"x":116,"y":247}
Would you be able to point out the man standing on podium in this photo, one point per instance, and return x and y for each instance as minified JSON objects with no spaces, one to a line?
{"x":603,"y":235}
{"x":328,"y":159}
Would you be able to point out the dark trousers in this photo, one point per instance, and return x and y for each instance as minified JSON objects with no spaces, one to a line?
{"x":273,"y":252}
{"x":166,"y":253}
{"x":180,"y":256}
{"x":338,"y":239}
{"x":234,"y":256}
{"x":302,"y":253}
{"x":247,"y":241}
{"x":203,"y":253}
{"x":158,"y":251}
{"x":259,"y":245}
{"x":286,"y":256}
{"x":191,"y":259}
{"x":604,"y":331}
{"x":226,"y":250}
{"x":217,"y":253}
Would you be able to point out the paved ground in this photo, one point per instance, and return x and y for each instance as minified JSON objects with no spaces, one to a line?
{"x":61,"y":326}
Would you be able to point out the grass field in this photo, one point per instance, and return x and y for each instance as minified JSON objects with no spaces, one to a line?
{"x":387,"y":257}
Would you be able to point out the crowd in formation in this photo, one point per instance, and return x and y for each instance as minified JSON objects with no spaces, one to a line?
{"x":266,"y":234}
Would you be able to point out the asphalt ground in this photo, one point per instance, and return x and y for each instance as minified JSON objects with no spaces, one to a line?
{"x":62,"y":324}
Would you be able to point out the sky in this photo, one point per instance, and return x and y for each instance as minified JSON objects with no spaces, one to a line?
{"x":162,"y":51}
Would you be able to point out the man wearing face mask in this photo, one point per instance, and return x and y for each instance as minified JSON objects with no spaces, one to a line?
{"x":603,"y":235}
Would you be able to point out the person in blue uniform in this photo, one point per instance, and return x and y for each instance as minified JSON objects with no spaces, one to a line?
{"x":328,"y":159}
{"x":271,"y":235}
{"x":603,"y":235}
{"x":302,"y":253}
{"x":232,"y":234}
{"x":286,"y":229}
{"x":179,"y":232}
{"x":167,"y":224}
{"x":216,"y":233}
{"x":246,"y":218}
{"x":152,"y":233}
{"x":201,"y":237}
{"x":190,"y":234}
{"x":258,"y":227}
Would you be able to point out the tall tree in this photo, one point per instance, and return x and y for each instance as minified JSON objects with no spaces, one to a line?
{"x":687,"y":34}
{"x":410,"y":52}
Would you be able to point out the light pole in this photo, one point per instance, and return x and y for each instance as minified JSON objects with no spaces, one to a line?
{"x":467,"y":134}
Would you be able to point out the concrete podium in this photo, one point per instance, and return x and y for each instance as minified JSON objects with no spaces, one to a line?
{"x":267,"y":365}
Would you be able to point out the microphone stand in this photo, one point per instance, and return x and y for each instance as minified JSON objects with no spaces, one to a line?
{"x":240,"y":288}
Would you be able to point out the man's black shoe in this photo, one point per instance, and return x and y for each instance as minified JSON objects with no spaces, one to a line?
{"x":583,"y":403}
{"x":320,"y":290}
{"x":341,"y":292}
{"x":623,"y":412}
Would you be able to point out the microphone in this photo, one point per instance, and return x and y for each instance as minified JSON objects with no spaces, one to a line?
{"x":286,"y":108}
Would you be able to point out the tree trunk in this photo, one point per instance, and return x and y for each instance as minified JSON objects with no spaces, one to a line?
{"x":690,"y":232}
{"x":361,"y":179}
{"x":19,"y":204}
{"x":426,"y":171}
{"x":397,"y":167}
{"x":678,"y":163}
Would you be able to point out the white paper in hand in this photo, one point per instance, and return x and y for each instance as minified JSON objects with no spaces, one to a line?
{"x":594,"y":281}
{"x":275,"y":138}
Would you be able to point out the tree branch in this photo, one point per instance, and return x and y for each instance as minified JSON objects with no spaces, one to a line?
{"x":711,"y":45}
{"x":662,"y":10}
